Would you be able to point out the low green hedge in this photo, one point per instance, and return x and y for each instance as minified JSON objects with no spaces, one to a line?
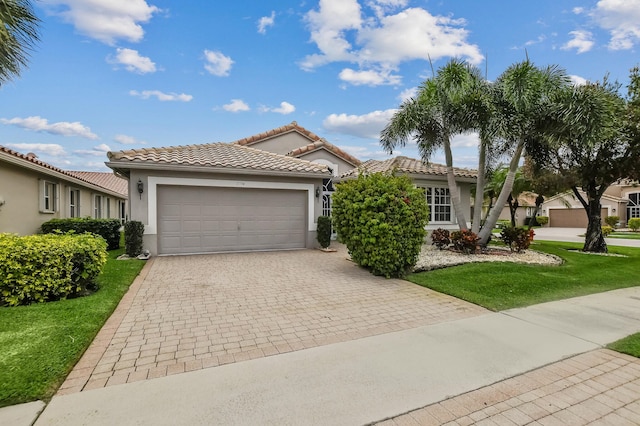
{"x":41,"y":268}
{"x":109,"y":229}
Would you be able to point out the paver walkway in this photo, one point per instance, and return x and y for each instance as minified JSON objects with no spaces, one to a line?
{"x":601,"y":387}
{"x":186,"y":313}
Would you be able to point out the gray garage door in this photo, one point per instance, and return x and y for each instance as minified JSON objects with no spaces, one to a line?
{"x":208,"y":220}
{"x":571,"y":218}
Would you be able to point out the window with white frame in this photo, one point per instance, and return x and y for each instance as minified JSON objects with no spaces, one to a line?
{"x":74,"y":202}
{"x":48,"y":196}
{"x":97,"y":206}
{"x":439,"y":201}
{"x":122,"y":211}
{"x":633,"y":206}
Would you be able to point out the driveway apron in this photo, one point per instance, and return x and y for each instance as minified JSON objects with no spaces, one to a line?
{"x":187,"y":313}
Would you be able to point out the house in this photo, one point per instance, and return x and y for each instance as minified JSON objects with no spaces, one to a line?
{"x":34,"y":192}
{"x":526,"y":208}
{"x":263,"y":192}
{"x":621,"y":199}
{"x":433,"y":178}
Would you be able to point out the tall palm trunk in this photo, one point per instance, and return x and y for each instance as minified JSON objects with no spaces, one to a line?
{"x":492,"y":219}
{"x":454,"y":190}
{"x":479,"y":197}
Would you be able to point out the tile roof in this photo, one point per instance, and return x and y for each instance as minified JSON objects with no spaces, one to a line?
{"x":219,"y":155}
{"x":104,"y":179}
{"x":104,"y":182}
{"x":316,"y":142}
{"x":410,"y":166}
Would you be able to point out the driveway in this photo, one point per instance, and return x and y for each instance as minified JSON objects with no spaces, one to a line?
{"x":187,"y":313}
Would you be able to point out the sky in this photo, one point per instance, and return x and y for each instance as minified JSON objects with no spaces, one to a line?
{"x":111,"y":75}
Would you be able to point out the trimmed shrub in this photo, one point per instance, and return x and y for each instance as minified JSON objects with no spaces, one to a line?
{"x":606,"y":230}
{"x":634,"y":224}
{"x":133,"y":232}
{"x":323,"y":233}
{"x":440,"y":238}
{"x":612,"y":221}
{"x":542,"y":220}
{"x":381,"y":219}
{"x":109,"y":229}
{"x":465,"y":241}
{"x":516,"y":238}
{"x":503,"y":223}
{"x":42,"y":268}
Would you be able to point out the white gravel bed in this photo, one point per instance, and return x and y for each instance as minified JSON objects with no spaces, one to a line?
{"x":432,"y":258}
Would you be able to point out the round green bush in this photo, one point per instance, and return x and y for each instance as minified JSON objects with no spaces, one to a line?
{"x":381,"y":219}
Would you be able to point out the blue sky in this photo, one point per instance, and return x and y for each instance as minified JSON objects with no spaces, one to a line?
{"x":122,"y":74}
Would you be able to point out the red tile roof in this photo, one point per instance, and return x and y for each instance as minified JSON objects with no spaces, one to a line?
{"x":108,"y":183}
{"x":316,"y":142}
{"x":410,"y":166}
{"x":219,"y":155}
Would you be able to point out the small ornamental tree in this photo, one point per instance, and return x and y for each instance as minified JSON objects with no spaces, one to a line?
{"x":381,"y":220}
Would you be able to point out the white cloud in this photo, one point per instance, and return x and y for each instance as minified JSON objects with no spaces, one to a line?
{"x":364,"y":126}
{"x":105,"y":20}
{"x":284,"y":108}
{"x":369,"y":77}
{"x":582,"y":41}
{"x":62,"y":128}
{"x":128,"y":140}
{"x":132,"y":61}
{"x":407,"y":94}
{"x":217,"y":63}
{"x":467,"y":140}
{"x":51,"y":149}
{"x":97,"y":151}
{"x":378,"y":44}
{"x":266,"y":22}
{"x":576,"y":80}
{"x":578,"y":10}
{"x":236,"y":105}
{"x":161,"y":96}
{"x":622,"y":19}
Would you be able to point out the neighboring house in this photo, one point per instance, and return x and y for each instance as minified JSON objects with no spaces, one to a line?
{"x":222,"y":197}
{"x":526,"y":208}
{"x":34,"y":192}
{"x":622,"y":200}
{"x":431,"y":177}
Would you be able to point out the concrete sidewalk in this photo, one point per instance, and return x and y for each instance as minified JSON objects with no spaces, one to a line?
{"x":366,"y":380}
{"x":576,"y":235}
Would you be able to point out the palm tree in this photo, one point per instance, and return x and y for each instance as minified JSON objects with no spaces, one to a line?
{"x":447,"y":104}
{"x":522,"y":93}
{"x":18,"y":33}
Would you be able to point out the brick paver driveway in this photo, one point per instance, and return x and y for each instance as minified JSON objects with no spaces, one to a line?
{"x":190,"y":312}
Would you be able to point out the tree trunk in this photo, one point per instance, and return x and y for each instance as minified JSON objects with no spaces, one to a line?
{"x":513,"y":208}
{"x":594,"y":240}
{"x":479,"y":198}
{"x":490,"y":223}
{"x":454,"y":191}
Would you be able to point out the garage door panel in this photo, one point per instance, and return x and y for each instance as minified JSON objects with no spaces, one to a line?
{"x":211,"y":219}
{"x":571,"y":217}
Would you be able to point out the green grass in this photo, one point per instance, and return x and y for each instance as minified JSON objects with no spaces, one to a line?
{"x":630,"y":345}
{"x":40,"y":343}
{"x":625,"y":235}
{"x":499,"y":286}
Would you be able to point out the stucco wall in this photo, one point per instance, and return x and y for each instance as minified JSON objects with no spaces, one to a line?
{"x":140,"y":209}
{"x":323,"y":154}
{"x":282,"y":144}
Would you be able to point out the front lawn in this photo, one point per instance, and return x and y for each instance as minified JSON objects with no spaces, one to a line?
{"x":630,"y":345}
{"x":625,"y":235}
{"x":40,"y":343}
{"x":499,"y":286}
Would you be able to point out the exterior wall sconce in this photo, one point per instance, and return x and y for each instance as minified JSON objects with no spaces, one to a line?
{"x":317,"y":192}
{"x":613,"y":210}
{"x":140,"y":188}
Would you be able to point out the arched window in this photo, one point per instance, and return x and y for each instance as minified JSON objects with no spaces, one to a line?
{"x":633,"y":206}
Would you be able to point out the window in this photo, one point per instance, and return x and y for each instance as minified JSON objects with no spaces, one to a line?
{"x":48,"y":197}
{"x":633,"y":207}
{"x":122,"y":211}
{"x":74,"y":202}
{"x":97,"y":206}
{"x":439,"y":201}
{"x":107,"y":202}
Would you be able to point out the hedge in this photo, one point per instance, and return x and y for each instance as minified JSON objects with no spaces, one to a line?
{"x":41,"y":268}
{"x":109,"y":229}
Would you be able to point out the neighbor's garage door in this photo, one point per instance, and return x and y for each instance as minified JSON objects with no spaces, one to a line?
{"x":570,"y":218}
{"x":208,"y":220}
